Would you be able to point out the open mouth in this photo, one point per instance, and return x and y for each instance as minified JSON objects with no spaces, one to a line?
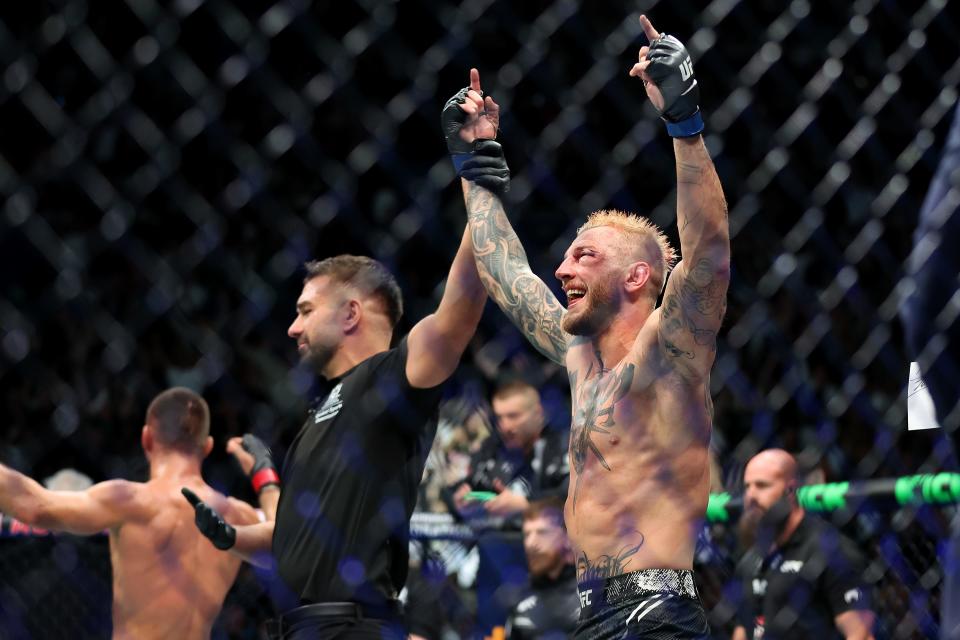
{"x":574,"y":295}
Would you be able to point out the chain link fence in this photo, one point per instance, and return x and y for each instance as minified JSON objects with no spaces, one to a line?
{"x":166,"y":166}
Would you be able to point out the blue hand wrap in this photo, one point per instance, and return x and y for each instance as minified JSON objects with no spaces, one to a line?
{"x":686,"y":128}
{"x":458,"y":160}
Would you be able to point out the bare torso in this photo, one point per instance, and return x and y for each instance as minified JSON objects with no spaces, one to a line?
{"x":168,"y":580}
{"x":639,"y":475}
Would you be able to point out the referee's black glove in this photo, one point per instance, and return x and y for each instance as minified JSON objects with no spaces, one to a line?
{"x":487,"y":167}
{"x":209,"y":522}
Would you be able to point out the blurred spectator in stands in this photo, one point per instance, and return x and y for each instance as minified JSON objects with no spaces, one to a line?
{"x":550,"y":608}
{"x":462,"y":428}
{"x":68,"y":480}
{"x":527,"y":461}
{"x":802,"y":579}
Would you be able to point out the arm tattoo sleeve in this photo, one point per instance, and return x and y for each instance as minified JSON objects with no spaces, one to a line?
{"x":691,"y":311}
{"x":506,"y":274}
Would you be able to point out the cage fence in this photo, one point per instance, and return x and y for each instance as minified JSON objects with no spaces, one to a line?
{"x":166,"y":166}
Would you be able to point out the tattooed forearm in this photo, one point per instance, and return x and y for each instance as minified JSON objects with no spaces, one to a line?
{"x":505,"y":272}
{"x":603,"y":567}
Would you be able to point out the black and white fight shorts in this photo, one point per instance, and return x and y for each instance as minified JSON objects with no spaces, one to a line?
{"x":653,"y":604}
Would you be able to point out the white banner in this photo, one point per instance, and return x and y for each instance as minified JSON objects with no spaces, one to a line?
{"x":921,"y":414}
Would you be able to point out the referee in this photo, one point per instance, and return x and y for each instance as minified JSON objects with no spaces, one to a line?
{"x":802,"y":578}
{"x":351,"y":474}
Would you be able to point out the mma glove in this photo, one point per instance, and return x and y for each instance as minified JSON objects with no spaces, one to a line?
{"x":264,"y":473}
{"x":481,"y":161}
{"x":209,"y":522}
{"x":671,"y":70}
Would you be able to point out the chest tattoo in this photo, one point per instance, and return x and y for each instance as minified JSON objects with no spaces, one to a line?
{"x":594,"y":401}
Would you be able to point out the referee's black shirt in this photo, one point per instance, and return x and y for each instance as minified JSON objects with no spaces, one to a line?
{"x":798,"y":590}
{"x":350,"y":484}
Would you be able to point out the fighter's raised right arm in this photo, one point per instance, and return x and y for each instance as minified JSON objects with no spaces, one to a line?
{"x":501,"y":259}
{"x":507,"y":276}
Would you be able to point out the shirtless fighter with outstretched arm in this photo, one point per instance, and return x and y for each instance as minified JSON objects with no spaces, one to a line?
{"x":167,"y":580}
{"x":639,"y":374}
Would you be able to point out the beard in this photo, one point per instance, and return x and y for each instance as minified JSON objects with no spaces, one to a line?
{"x":748,"y":526}
{"x":542,"y":563}
{"x":594,"y":312}
{"x":317,"y":356}
{"x":760,"y":527}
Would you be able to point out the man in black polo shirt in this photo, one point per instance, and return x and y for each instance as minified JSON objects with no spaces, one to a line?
{"x":350,"y":476}
{"x":526,"y":461}
{"x":802,"y":578}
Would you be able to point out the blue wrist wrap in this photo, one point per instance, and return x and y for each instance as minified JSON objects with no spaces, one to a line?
{"x":686,"y":128}
{"x":458,"y":160}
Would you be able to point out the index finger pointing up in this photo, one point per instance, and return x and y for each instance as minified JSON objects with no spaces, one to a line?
{"x":475,"y":81}
{"x":651,"y":33}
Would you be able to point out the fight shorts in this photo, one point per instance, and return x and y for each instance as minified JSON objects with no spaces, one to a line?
{"x":653,"y":604}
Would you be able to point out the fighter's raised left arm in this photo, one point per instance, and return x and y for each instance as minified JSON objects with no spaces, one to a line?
{"x":470,"y":121}
{"x":694,"y":301}
{"x":103,"y":506}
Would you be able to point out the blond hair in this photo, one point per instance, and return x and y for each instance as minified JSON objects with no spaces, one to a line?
{"x":651,"y":242}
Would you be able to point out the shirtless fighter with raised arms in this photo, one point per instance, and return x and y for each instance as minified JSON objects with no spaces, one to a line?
{"x":639,"y":374}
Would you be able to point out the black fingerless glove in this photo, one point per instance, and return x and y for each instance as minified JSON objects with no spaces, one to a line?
{"x":209,"y":522}
{"x":452,"y":119}
{"x":482,"y":161}
{"x":671,"y":69}
{"x":264,"y":472}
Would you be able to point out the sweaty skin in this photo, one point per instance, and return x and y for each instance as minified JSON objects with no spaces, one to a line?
{"x":639,"y":478}
{"x":168,"y":580}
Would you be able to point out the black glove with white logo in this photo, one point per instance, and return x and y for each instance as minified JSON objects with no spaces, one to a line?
{"x":671,"y":70}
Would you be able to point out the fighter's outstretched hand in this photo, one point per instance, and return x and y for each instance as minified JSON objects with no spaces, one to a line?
{"x":243,"y":457}
{"x":470,"y":122}
{"x":209,"y":522}
{"x":667,"y":73}
{"x":255,"y":459}
{"x":469,"y":116}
